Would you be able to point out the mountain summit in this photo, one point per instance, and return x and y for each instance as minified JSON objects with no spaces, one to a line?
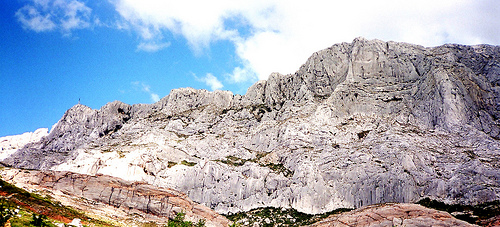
{"x":359,"y":123}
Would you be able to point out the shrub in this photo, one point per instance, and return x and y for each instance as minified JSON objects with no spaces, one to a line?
{"x":178,"y":221}
{"x":5,"y":214}
{"x":39,"y":220}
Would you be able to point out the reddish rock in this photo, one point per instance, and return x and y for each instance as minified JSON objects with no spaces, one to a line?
{"x":494,"y":221}
{"x":403,"y":214}
{"x":131,"y":197}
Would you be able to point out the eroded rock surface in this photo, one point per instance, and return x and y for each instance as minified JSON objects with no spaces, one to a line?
{"x":392,"y":215}
{"x":10,"y":144}
{"x":131,"y":197}
{"x":359,"y":123}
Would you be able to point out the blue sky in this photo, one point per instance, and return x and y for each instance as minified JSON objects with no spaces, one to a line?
{"x":56,"y":52}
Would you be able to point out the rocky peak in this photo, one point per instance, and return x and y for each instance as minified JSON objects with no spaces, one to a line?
{"x":185,"y":99}
{"x":255,"y":94}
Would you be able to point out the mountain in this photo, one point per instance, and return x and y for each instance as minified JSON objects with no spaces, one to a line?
{"x":359,"y":123}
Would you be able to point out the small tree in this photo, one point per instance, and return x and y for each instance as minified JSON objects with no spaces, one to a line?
{"x":178,"y":221}
{"x":200,"y":223}
{"x":39,"y":220}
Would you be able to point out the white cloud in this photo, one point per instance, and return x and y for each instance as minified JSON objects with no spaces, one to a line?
{"x":276,"y":35}
{"x":76,"y":15}
{"x":30,"y":18}
{"x":211,"y":81}
{"x":48,"y":15}
{"x":240,"y":75}
{"x":155,"y":97}
{"x":152,"y":46}
{"x":147,"y":89}
{"x":200,"y":22}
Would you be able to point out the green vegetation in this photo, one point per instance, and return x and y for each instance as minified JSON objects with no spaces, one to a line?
{"x":280,"y":169}
{"x":183,"y":162}
{"x":171,"y":164}
{"x":472,"y":214}
{"x":186,"y":163}
{"x":178,"y":221}
{"x":39,"y":220}
{"x":235,"y":161}
{"x":270,"y":216}
{"x":5,"y":214}
{"x":26,"y":218}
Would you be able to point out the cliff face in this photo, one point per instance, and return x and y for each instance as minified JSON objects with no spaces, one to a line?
{"x":10,"y":144}
{"x":359,"y":123}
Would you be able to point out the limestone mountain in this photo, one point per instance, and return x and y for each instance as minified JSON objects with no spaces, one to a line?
{"x":359,"y":123}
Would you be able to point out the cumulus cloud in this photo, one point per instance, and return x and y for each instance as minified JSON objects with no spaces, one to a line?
{"x":211,"y":81}
{"x":49,"y":15}
{"x":147,"y":89}
{"x":200,"y":22}
{"x":278,"y":36}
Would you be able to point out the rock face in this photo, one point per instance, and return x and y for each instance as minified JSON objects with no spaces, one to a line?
{"x":133,"y":197}
{"x":10,"y":144}
{"x":393,"y":215}
{"x":359,"y":123}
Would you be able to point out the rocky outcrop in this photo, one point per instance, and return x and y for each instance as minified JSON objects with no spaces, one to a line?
{"x":359,"y":123}
{"x":79,"y":126}
{"x":393,"y":215}
{"x":131,"y":197}
{"x":10,"y":144}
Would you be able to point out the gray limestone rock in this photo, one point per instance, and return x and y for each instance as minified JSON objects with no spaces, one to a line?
{"x":359,"y":123}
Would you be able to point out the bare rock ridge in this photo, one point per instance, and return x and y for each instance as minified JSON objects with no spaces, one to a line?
{"x":359,"y":123}
{"x":132,"y":197}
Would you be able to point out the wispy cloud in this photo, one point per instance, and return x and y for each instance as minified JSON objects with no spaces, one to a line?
{"x":155,"y":97}
{"x":211,"y":81}
{"x":49,"y":15}
{"x":152,"y":46}
{"x":30,"y":18}
{"x":147,"y":89}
